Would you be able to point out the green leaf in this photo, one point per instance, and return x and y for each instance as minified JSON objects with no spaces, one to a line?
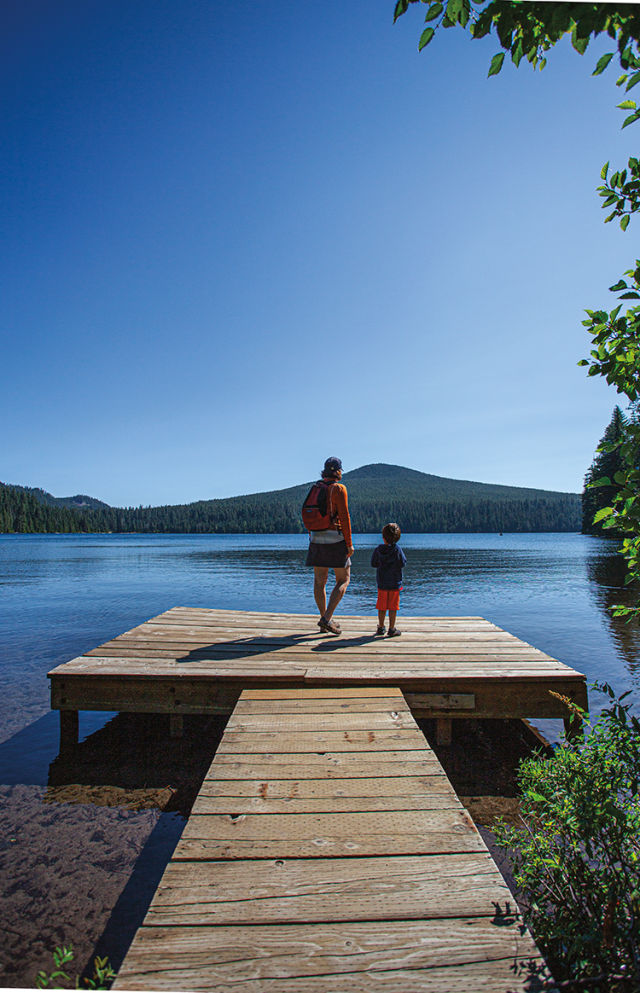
{"x":536,"y":797}
{"x":402,"y":7}
{"x":496,"y":64}
{"x":482,"y":26}
{"x":602,"y":513}
{"x":603,"y":62}
{"x":627,"y":105}
{"x":580,"y":44}
{"x":454,"y":8}
{"x":624,"y":224}
{"x":517,"y":52}
{"x":434,"y":11}
{"x":630,"y":119}
{"x":426,"y":37}
{"x":604,"y":171}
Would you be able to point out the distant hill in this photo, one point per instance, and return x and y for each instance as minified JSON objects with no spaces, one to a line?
{"x":77,"y":502}
{"x":378,"y":493}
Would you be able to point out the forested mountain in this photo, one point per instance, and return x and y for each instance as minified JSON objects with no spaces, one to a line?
{"x":378,"y":493}
{"x":79,"y":502}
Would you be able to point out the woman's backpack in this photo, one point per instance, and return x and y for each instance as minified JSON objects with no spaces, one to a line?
{"x":316,"y":509}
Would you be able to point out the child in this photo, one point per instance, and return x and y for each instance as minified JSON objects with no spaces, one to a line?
{"x":389,"y":560}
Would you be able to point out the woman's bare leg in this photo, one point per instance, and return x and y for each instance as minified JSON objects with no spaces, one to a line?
{"x":342,"y":581}
{"x":320,"y":576}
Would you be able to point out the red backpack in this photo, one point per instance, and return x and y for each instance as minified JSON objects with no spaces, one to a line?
{"x":316,"y":509}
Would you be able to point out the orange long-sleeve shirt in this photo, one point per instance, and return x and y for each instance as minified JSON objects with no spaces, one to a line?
{"x":340,"y":511}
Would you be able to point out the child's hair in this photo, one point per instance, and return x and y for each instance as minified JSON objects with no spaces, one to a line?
{"x":391,"y":533}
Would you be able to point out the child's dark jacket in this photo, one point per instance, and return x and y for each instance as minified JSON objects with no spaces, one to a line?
{"x":389,"y":561}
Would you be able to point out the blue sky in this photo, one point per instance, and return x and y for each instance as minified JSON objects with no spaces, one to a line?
{"x":241,"y":237}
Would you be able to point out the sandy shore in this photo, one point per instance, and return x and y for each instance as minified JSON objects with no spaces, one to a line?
{"x":81,"y":857}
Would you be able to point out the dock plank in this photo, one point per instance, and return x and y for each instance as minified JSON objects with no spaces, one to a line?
{"x":328,"y":889}
{"x":220,"y":958}
{"x":234,"y":805}
{"x":314,"y":789}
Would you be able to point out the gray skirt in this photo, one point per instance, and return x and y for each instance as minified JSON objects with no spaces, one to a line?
{"x":333,"y":556}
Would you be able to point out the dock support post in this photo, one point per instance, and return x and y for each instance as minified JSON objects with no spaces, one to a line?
{"x":176,"y":725}
{"x":443,"y":730}
{"x":68,"y":730}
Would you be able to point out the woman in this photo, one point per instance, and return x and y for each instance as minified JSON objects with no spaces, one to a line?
{"x":331,"y":547}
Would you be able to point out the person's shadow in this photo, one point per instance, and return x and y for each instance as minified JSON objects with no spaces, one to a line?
{"x":239,"y":648}
{"x":335,"y":644}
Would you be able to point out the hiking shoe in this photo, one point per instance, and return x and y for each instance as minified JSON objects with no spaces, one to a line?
{"x":381,"y":629}
{"x":330,"y":627}
{"x":394,"y":633}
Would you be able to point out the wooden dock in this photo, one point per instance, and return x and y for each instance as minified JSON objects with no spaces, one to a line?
{"x":194,"y":660}
{"x":328,"y":853}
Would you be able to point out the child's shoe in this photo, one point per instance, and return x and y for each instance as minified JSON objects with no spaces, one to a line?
{"x":381,"y":630}
{"x":394,"y":633}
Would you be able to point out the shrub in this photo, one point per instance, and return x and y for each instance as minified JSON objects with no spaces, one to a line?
{"x":577,"y":854}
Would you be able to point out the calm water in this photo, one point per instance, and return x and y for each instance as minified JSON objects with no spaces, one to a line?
{"x":63,"y":594}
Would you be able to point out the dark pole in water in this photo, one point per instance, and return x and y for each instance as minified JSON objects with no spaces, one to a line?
{"x":68,"y":730}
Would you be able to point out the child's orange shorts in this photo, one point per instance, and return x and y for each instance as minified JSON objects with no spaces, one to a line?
{"x":388,"y":600}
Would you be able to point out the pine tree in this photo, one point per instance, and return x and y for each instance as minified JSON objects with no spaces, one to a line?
{"x":605,"y":464}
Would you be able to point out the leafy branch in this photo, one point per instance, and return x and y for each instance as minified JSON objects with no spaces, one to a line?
{"x":529,"y":30}
{"x":621,"y":191}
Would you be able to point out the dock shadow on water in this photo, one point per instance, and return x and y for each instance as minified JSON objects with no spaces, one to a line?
{"x":84,"y":840}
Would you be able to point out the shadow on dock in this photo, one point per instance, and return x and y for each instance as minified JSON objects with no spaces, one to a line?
{"x":240,"y":648}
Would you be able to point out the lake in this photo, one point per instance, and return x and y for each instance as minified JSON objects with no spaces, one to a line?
{"x":80,"y":866}
{"x":64,"y":594}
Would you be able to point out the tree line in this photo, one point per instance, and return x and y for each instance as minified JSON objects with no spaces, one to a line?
{"x":21,"y":511}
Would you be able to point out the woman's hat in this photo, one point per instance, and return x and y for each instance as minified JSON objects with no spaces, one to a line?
{"x":333,"y":465}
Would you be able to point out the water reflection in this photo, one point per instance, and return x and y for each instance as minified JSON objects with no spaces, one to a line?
{"x":606,"y":571}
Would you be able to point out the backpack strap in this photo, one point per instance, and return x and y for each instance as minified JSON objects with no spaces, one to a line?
{"x":332,"y":516}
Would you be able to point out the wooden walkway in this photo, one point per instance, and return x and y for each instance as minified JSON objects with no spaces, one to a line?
{"x":194,"y":660}
{"x":328,"y":853}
